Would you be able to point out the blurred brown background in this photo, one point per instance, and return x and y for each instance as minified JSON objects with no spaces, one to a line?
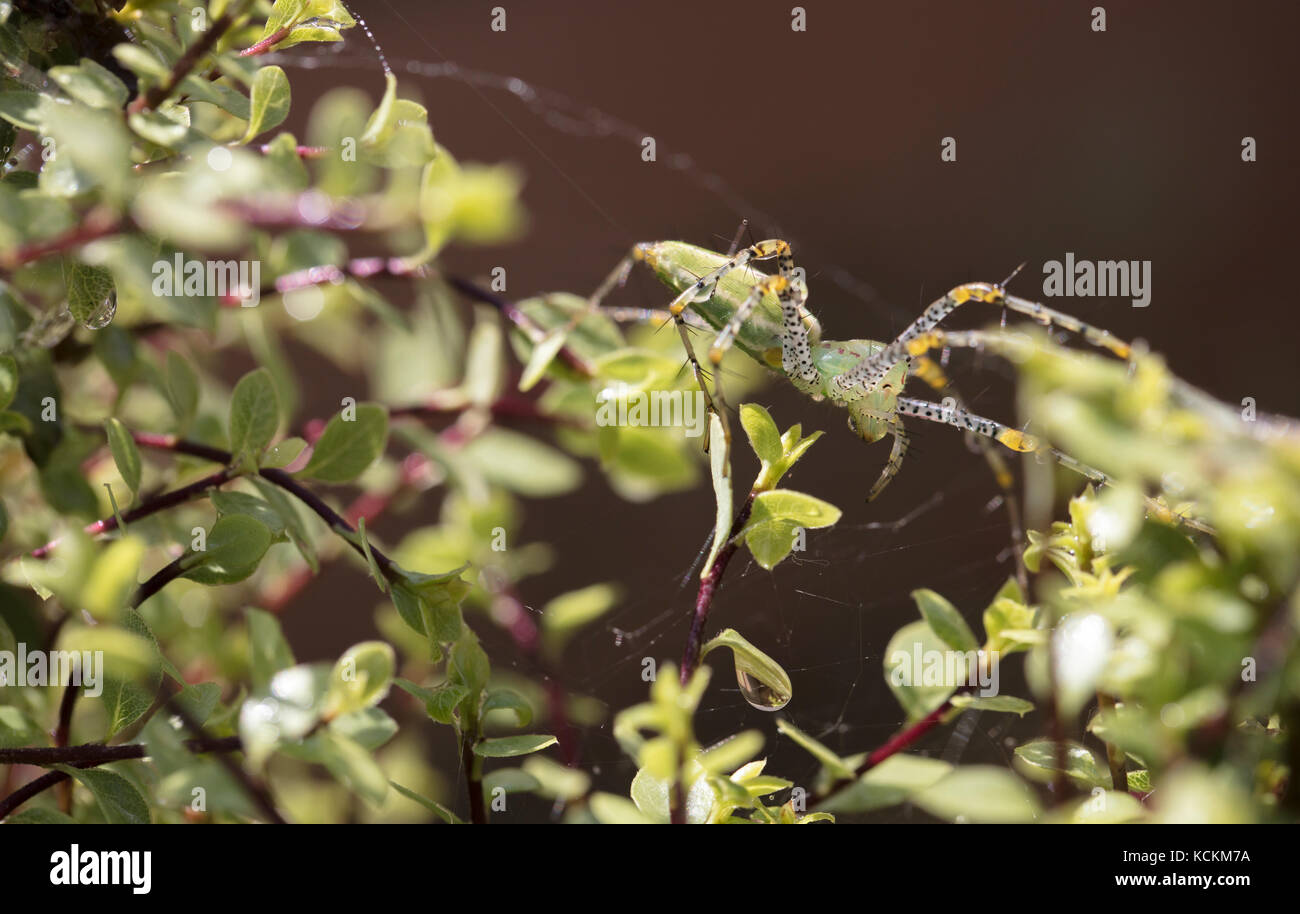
{"x":1117,"y":145}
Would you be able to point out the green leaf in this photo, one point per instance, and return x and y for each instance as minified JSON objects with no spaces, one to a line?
{"x":651,"y":796}
{"x":24,"y":109}
{"x":360,"y":678}
{"x":1037,"y":759}
{"x":945,"y":621}
{"x":139,"y":60}
{"x":284,"y":453}
{"x":251,"y":505}
{"x":511,"y":780}
{"x":732,"y":752}
{"x":570,"y":611}
{"x":268,"y":651}
{"x":557,"y":781}
{"x":776,"y":518}
{"x":270,"y":101}
{"x":254,"y":415}
{"x":720,"y":472}
{"x":506,"y":700}
{"x":293,"y":521}
{"x":441,"y":702}
{"x":763,"y":682}
{"x":511,"y":746}
{"x":834,"y":765}
{"x":8,"y":380}
{"x":484,"y":363}
{"x":235,"y":546}
{"x":891,"y":782}
{"x":39,"y":815}
{"x":432,"y":805}
{"x":113,"y":578}
{"x":980,"y":793}
{"x":369,"y":727}
{"x":909,"y":685}
{"x":1005,"y":622}
{"x":91,"y":84}
{"x":611,"y":809}
{"x":119,"y":801}
{"x":125,"y":454}
{"x":352,"y":765}
{"x":540,"y":358}
{"x":127,"y":693}
{"x":348,"y":446}
{"x":16,"y":728}
{"x":764,"y":437}
{"x":91,"y":294}
{"x":804,"y":510}
{"x":522,"y":463}
{"x":199,"y":700}
{"x":182,"y":386}
{"x":1006,"y":703}
{"x":770,"y":542}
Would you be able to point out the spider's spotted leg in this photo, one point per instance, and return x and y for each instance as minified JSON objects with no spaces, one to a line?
{"x":869,"y":372}
{"x":1005,"y":435}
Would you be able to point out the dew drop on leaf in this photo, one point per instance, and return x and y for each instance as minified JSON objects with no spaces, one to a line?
{"x":102,"y":316}
{"x":759,"y":694}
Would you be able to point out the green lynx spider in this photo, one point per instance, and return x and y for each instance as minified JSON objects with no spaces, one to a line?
{"x":765,"y":316}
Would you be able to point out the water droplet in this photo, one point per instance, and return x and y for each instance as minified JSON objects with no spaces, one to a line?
{"x":759,"y":694}
{"x":102,"y":316}
{"x":373,"y":43}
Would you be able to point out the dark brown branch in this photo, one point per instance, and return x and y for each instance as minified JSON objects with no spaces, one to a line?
{"x":709,"y":589}
{"x":144,"y":509}
{"x":254,"y":788}
{"x":896,"y":744}
{"x":276,"y":476}
{"x":160,"y":579}
{"x":87,"y":757}
{"x":474,"y":781}
{"x":66,"y":704}
{"x":99,"y":223}
{"x":99,"y":754}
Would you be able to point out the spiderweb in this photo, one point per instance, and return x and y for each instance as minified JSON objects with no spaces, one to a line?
{"x":826,"y":613}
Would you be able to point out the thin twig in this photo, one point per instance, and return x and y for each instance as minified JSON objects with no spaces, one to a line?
{"x":896,"y":744}
{"x":188,"y":61}
{"x":160,"y":579}
{"x":519,"y":319}
{"x":708,"y":590}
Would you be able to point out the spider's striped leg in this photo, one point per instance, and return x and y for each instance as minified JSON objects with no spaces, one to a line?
{"x":699,"y":290}
{"x":869,"y":371}
{"x":616,"y":278}
{"x":724,"y":339}
{"x":895,"y":462}
{"x":1017,"y":440}
{"x":655,"y":316}
{"x":702,"y":289}
{"x":698,"y":372}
